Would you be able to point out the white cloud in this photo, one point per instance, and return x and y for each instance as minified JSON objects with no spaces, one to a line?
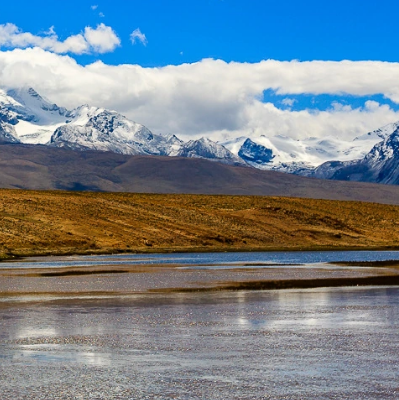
{"x":212,"y":97}
{"x":101,"y":40}
{"x":288,"y":102}
{"x":50,"y":31}
{"x":94,"y":7}
{"x":138,"y":35}
{"x":372,"y":105}
{"x":337,"y":106}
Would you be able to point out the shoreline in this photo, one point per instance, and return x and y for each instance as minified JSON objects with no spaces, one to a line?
{"x":145,"y":279}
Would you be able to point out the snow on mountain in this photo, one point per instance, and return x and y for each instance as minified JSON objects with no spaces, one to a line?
{"x":99,"y":129}
{"x":27,"y":117}
{"x":6,"y":117}
{"x":206,"y":148}
{"x":380,"y":164}
{"x":233,"y":145}
{"x":35,"y":117}
{"x":7,"y":122}
{"x":327,"y":170}
{"x":170,"y":146}
{"x":286,"y":154}
{"x":5,"y":136}
{"x":384,"y":150}
{"x":43,"y":111}
{"x":255,"y":153}
{"x":381,"y":133}
{"x":7,"y":100}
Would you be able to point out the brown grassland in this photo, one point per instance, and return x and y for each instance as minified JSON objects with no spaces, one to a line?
{"x":56,"y":222}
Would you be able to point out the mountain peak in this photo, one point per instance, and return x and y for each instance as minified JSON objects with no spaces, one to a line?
{"x":206,"y":148}
{"x":32,"y":92}
{"x":255,"y":153}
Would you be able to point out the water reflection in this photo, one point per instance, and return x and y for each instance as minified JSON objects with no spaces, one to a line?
{"x":321,"y":343}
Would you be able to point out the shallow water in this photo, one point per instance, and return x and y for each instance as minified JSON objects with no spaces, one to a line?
{"x":221,"y":259}
{"x":290,"y":344}
{"x":128,"y":274}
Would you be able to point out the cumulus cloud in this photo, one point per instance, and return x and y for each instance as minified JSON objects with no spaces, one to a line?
{"x":212,"y":97}
{"x":101,"y":39}
{"x":138,"y":35}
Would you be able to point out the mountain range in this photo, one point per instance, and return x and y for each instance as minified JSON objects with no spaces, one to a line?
{"x":26,"y":118}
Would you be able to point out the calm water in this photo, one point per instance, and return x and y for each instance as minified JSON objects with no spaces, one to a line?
{"x":310,"y":344}
{"x":289,"y":344}
{"x":221,"y":259}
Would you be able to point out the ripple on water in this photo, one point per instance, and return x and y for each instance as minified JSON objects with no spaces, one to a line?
{"x":296,"y":344}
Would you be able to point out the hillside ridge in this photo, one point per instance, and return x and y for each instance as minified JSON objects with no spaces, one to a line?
{"x":58,"y":222}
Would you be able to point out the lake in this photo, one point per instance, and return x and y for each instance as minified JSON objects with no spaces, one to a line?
{"x":325,"y":343}
{"x":220,"y":259}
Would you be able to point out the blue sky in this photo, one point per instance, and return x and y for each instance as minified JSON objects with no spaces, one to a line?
{"x":231,"y":30}
{"x":164,"y":80}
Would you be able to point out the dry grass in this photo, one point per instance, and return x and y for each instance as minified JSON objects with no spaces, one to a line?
{"x":53,"y":222}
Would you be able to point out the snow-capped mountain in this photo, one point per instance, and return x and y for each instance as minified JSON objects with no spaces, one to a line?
{"x":92,"y":128}
{"x":30,"y":106}
{"x":206,"y":148}
{"x":286,"y":154}
{"x":326,"y":158}
{"x":255,"y":153}
{"x":7,"y":121}
{"x":32,"y":119}
{"x":27,"y":117}
{"x":380,"y":165}
{"x":6,"y":137}
{"x":383,"y":159}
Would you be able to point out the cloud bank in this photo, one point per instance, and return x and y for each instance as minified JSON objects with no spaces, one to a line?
{"x":212,"y":97}
{"x":101,"y":39}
